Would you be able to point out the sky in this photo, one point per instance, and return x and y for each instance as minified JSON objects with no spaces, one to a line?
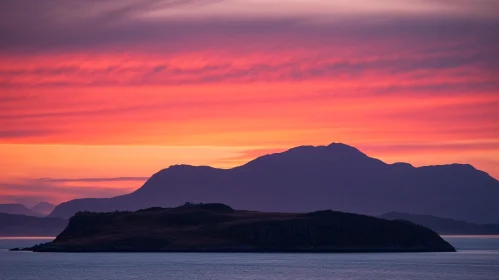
{"x":97,"y":95}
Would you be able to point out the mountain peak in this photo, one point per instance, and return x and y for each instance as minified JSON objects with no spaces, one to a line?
{"x":344,"y":148}
{"x":309,"y":178}
{"x":43,"y":208}
{"x":44,"y":203}
{"x":333,"y":147}
{"x":315,"y":157}
{"x":339,"y":144}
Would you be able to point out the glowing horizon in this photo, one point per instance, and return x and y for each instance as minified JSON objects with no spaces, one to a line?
{"x":124,"y":89}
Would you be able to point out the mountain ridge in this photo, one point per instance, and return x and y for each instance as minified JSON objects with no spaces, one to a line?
{"x":308,"y":178}
{"x":17,"y":209}
{"x":22,"y":225}
{"x":43,"y":208}
{"x":443,"y":225}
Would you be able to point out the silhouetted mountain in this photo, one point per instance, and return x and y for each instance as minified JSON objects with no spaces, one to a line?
{"x":309,"y":178}
{"x":444,"y":226}
{"x":20,"y":225}
{"x":43,"y":208}
{"x":17,"y":209}
{"x":219,"y":228}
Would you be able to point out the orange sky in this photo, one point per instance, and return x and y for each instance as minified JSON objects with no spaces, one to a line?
{"x":92,"y":112}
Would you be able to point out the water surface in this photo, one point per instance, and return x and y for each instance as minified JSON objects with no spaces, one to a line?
{"x":478,"y":258}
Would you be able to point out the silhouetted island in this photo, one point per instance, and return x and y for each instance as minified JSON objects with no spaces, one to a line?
{"x":219,"y":228}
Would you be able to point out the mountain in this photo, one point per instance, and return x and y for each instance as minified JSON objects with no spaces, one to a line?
{"x":20,"y":225}
{"x":43,"y":208}
{"x":219,"y":228}
{"x":309,"y":178}
{"x":444,"y":226}
{"x":16,"y":208}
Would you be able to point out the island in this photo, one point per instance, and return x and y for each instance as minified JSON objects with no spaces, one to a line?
{"x":217,"y":227}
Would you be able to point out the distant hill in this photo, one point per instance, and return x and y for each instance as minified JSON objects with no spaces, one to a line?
{"x":444,"y":226}
{"x":43,"y":208}
{"x":309,"y":178}
{"x":17,"y":209}
{"x":219,"y":228}
{"x":20,"y":225}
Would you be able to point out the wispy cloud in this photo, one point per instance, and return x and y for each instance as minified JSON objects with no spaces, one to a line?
{"x":26,"y":133}
{"x":176,"y":25}
{"x":30,"y":191}
{"x":65,"y":180}
{"x":220,"y":67}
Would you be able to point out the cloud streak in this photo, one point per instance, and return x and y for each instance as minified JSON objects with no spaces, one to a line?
{"x":116,"y":179}
{"x":220,"y":67}
{"x":174,"y":26}
{"x":30,"y":191}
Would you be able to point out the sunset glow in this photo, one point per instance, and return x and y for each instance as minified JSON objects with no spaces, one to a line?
{"x":92,"y":105}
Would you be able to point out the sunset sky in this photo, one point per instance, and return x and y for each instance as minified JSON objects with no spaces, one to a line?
{"x":97,"y":95}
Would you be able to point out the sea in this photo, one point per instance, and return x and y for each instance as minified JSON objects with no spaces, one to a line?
{"x":477,"y":258}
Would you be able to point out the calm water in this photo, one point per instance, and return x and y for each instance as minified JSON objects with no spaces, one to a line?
{"x":478,"y":258}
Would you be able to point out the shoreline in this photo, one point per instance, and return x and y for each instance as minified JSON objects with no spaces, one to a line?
{"x":27,"y":237}
{"x":441,"y":235}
